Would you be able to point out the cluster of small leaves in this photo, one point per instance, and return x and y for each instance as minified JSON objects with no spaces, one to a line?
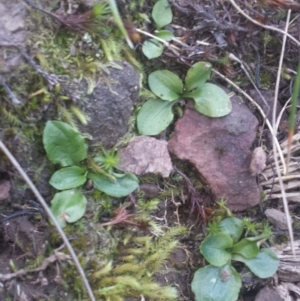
{"x":156,"y":114}
{"x":222,"y":281}
{"x":66,"y":147}
{"x":162,"y":16}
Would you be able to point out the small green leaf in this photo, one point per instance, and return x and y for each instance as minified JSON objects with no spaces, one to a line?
{"x":246,"y":248}
{"x":233,"y":227}
{"x":264,"y":265}
{"x":260,"y":237}
{"x":154,"y":116}
{"x":216,"y":284}
{"x":162,"y":13}
{"x":197,"y":75}
{"x":68,"y":177}
{"x":63,"y":144}
{"x":215,"y":248}
{"x":68,"y":206}
{"x":210,"y":100}
{"x":165,"y":84}
{"x":166,"y":35}
{"x":123,"y":186}
{"x":152,"y":48}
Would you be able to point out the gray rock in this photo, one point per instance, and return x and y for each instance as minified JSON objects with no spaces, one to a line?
{"x":268,"y":293}
{"x":219,"y":148}
{"x":12,"y":30}
{"x":110,"y":105}
{"x":277,"y":218}
{"x":146,"y":155}
{"x":31,"y":156}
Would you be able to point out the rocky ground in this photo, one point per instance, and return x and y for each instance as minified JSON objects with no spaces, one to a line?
{"x":50,"y":72}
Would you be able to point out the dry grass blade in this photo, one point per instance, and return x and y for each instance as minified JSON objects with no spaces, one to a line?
{"x":291,"y":182}
{"x":122,"y":216}
{"x":284,"y":198}
{"x":15,"y":163}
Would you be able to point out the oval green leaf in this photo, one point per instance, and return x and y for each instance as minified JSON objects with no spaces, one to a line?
{"x":233,"y":227}
{"x":162,"y":13}
{"x":68,"y":178}
{"x":68,"y":206}
{"x":215,"y":247}
{"x":63,"y":144}
{"x":211,"y":100}
{"x":123,"y":186}
{"x":154,"y":116}
{"x":166,"y":35}
{"x":197,"y":75}
{"x":216,"y":284}
{"x":264,"y":265}
{"x":165,"y":84}
{"x":246,"y":248}
{"x":152,"y":49}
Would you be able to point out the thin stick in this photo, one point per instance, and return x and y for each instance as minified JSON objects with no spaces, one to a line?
{"x":168,"y":45}
{"x":284,"y":199}
{"x":12,"y":96}
{"x":280,"y":114}
{"x":51,"y":216}
{"x":263,"y":25}
{"x":261,"y":112}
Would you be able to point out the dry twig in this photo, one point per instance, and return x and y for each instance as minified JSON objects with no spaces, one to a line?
{"x":122,"y":216}
{"x":57,"y":256}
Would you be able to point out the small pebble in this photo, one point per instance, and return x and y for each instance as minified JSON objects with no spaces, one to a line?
{"x":258,"y":161}
{"x":277,"y":218}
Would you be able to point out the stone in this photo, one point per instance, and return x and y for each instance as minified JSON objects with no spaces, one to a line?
{"x":4,"y":189}
{"x":268,"y":293}
{"x":277,"y":218}
{"x":219,"y":148}
{"x":34,"y":162}
{"x":146,"y":155}
{"x":110,"y":105}
{"x":13,"y":31}
{"x":258,"y":161}
{"x":150,"y":191}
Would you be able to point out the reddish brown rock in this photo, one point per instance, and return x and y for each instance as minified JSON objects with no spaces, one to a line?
{"x":220,"y":150}
{"x":146,"y":155}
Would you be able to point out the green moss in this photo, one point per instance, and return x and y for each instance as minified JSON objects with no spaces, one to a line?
{"x":122,"y":262}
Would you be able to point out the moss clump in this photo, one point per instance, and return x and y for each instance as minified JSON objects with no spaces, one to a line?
{"x":122,"y":262}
